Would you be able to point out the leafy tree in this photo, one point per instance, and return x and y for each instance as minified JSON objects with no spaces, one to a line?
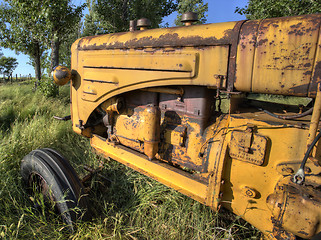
{"x":31,"y":27}
{"x":94,"y":24}
{"x":197,"y":6}
{"x":7,"y":65}
{"x":61,"y":18}
{"x":277,"y":8}
{"x":115,"y":15}
{"x":21,"y":29}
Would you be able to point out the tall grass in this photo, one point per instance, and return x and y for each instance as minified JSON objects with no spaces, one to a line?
{"x":132,"y":206}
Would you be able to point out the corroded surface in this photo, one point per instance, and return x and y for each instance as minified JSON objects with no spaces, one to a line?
{"x":171,"y":126}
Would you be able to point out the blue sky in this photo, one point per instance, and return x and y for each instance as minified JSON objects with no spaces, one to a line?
{"x":218,"y":11}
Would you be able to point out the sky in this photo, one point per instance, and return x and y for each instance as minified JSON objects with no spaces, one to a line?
{"x":218,"y":11}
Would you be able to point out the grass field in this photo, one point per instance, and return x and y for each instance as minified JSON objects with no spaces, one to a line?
{"x":131,"y":207}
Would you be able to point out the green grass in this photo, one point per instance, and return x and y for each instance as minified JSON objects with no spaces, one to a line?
{"x":131,"y":207}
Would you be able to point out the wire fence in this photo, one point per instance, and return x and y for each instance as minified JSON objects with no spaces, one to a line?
{"x":15,"y":78}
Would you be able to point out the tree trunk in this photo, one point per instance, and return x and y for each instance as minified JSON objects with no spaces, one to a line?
{"x":36,"y":57}
{"x":55,"y":44}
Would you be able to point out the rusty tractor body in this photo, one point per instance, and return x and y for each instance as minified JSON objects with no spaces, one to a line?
{"x":153,"y":100}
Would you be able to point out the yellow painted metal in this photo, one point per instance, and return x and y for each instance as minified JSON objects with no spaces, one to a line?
{"x":315,"y":119}
{"x":76,"y":82}
{"x":248,"y":147}
{"x":151,"y":130}
{"x":140,"y":131}
{"x":161,"y":172}
{"x":284,"y":57}
{"x":176,"y":137}
{"x":238,"y":160}
{"x":136,"y":60}
{"x":217,"y":31}
{"x":101,"y":83}
{"x":61,"y":75}
{"x":245,"y":55}
{"x":297,"y":213}
{"x":261,"y":179}
{"x":278,"y":56}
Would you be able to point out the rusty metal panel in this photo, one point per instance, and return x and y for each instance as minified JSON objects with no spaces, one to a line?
{"x":248,"y":147}
{"x":316,"y":74}
{"x":245,"y":56}
{"x":198,"y":35}
{"x":163,"y":173}
{"x":232,"y":56}
{"x":284,"y":55}
{"x":176,"y":136}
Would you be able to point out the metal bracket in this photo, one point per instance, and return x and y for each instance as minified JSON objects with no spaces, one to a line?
{"x":80,"y":125}
{"x":247,"y":146}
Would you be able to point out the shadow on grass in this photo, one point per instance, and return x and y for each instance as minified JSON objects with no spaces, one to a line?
{"x":7,"y":118}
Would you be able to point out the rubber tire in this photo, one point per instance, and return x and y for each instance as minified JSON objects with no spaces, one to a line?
{"x":59,"y":175}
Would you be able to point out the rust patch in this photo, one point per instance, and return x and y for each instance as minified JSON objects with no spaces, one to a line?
{"x":307,"y":73}
{"x":316,"y":78}
{"x":248,"y":33}
{"x":249,"y":27}
{"x":296,"y":25}
{"x":262,"y":41}
{"x":300,"y":90}
{"x":165,"y":40}
{"x":297,"y":32}
{"x":304,"y":233}
{"x":232,"y":56}
{"x":288,"y":67}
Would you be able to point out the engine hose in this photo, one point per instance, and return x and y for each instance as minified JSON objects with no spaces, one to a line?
{"x":299,"y":176}
{"x":288,"y":117}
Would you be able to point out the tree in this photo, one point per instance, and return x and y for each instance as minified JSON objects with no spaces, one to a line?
{"x":65,"y":45}
{"x":7,"y":65}
{"x":22,"y":29}
{"x":197,"y":6}
{"x":257,"y":9}
{"x":116,"y":14}
{"x":31,"y":27}
{"x":61,"y":18}
{"x":93,"y":24}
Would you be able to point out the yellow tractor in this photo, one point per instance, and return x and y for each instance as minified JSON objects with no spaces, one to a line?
{"x":180,"y":106}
